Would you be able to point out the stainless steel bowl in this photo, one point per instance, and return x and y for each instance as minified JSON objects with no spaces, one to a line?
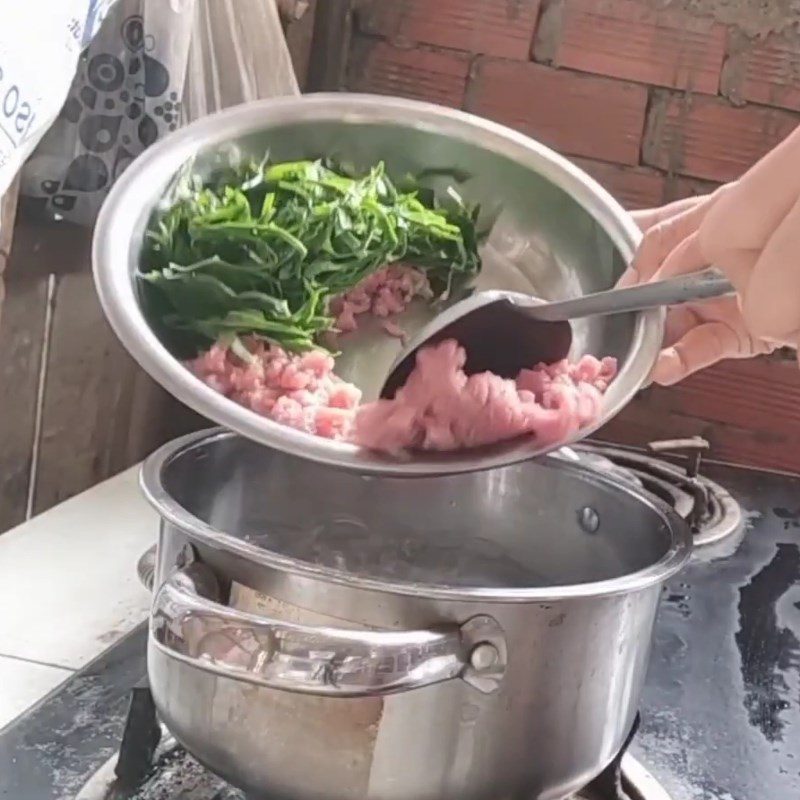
{"x":557,"y":234}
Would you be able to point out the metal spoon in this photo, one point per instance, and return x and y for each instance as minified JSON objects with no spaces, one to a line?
{"x":504,"y":332}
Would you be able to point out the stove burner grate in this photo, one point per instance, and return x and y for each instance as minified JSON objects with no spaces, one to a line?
{"x":151,"y":765}
{"x":711,"y":511}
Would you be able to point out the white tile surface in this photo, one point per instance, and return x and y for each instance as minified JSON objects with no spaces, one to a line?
{"x":68,"y":585}
{"x":23,"y":683}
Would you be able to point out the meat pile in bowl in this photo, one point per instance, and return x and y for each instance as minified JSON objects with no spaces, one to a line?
{"x":439,"y":407}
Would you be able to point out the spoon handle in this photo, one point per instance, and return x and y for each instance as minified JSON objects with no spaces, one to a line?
{"x":672,"y":292}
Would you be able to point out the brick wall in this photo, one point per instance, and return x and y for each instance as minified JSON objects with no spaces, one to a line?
{"x":654,"y":101}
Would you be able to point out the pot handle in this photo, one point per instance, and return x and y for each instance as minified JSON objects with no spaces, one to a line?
{"x":189,"y":624}
{"x":146,"y":568}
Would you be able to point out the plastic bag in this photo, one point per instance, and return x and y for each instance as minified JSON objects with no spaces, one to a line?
{"x":31,"y":98}
{"x":238,"y":54}
{"x":152,"y":65}
{"x":125,"y":95}
{"x":39,"y":49}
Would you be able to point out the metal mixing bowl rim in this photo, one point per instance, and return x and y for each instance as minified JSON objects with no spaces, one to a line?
{"x":675,"y":557}
{"x":121,"y":219}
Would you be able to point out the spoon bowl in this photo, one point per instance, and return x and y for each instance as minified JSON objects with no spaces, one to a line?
{"x":497,"y":333}
{"x":504,"y":332}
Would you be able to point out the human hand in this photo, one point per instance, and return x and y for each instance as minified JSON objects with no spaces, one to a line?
{"x":696,"y":335}
{"x":750,"y":229}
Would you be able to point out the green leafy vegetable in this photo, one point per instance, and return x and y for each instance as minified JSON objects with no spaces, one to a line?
{"x":262,"y":248}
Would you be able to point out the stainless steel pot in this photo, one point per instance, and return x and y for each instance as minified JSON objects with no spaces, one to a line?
{"x":318,"y":635}
{"x":556,"y":233}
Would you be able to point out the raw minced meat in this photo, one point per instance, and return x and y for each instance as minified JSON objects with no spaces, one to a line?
{"x":298,"y":390}
{"x":441,"y":408}
{"x":385,"y":294}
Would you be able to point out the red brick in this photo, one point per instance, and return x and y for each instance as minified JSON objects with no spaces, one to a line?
{"x":633,"y":187}
{"x":706,"y":137}
{"x":631,"y":40}
{"x":678,"y":187}
{"x":765,"y":72}
{"x":577,"y":114}
{"x":421,"y":74}
{"x":639,"y":424}
{"x":748,"y":409}
{"x":494,"y":27}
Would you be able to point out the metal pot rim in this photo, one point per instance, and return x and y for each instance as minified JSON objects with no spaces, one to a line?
{"x":120,"y":221}
{"x":173,"y":512}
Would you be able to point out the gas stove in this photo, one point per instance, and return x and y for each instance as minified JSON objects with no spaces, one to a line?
{"x":53,"y":752}
{"x":150,"y":765}
{"x":720,"y":715}
{"x":709,"y":508}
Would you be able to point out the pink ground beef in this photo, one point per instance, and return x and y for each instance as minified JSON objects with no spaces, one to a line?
{"x":441,"y":408}
{"x":298,"y":390}
{"x":385,"y":294}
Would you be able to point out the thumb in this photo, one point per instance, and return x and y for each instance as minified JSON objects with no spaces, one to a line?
{"x":699,"y":348}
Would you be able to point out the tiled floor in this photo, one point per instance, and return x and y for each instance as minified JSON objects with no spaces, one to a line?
{"x":68,"y":587}
{"x":23,"y":683}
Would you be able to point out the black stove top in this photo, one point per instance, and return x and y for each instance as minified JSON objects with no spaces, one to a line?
{"x":720,"y":713}
{"x":50,"y":751}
